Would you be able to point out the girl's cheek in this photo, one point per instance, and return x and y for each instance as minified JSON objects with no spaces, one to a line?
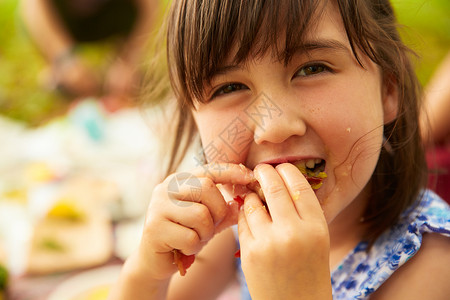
{"x":217,"y":151}
{"x":228,"y":141}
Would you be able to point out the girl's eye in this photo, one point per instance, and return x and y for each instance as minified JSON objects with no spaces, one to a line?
{"x":228,"y":88}
{"x":313,"y":69}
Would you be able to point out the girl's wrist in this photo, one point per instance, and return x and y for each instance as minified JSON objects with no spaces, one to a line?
{"x":141,"y":270}
{"x":136,"y":283}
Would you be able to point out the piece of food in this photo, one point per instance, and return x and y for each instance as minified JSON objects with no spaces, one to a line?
{"x":256,"y":187}
{"x":182,"y":261}
{"x":96,"y":293}
{"x":313,"y":170}
{"x":52,"y":244}
{"x":239,"y":200}
{"x":66,"y":209}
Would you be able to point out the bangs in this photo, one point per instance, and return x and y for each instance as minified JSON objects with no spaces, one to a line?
{"x":203,"y":35}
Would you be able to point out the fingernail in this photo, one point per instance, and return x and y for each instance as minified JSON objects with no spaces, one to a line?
{"x":247,"y":172}
{"x":250,"y":175}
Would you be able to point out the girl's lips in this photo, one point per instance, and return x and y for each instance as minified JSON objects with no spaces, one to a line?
{"x":312,"y":168}
{"x":309,"y":163}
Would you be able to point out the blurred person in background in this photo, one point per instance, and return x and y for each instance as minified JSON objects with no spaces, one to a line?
{"x":435,"y":121}
{"x":437,"y":105}
{"x":57,"y":27}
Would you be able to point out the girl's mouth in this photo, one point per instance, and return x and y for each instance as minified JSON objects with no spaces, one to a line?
{"x":312,"y":169}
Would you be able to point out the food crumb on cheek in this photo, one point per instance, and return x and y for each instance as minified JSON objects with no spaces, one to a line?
{"x":349,"y":129}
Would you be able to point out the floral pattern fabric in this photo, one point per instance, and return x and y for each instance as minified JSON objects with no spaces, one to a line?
{"x":362,"y":272}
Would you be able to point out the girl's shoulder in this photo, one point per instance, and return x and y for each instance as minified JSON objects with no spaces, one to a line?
{"x":364,"y":270}
{"x":424,"y":276}
{"x":429,"y":214}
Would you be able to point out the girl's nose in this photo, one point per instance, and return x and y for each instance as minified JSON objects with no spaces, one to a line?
{"x":275,"y":121}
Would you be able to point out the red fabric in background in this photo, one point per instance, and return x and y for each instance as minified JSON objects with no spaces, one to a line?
{"x":438,"y":160}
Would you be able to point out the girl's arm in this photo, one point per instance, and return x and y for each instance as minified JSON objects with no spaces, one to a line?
{"x":46,"y":29}
{"x":135,"y":284}
{"x":202,"y":280}
{"x":122,"y":77}
{"x":425,"y":276}
{"x":137,"y":40}
{"x":55,"y":43}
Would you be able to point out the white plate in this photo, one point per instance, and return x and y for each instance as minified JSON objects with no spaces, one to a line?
{"x":84,"y":285}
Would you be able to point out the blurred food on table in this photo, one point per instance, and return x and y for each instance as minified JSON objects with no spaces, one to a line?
{"x":73,"y":193}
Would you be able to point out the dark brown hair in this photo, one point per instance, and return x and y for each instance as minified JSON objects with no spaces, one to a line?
{"x":201,"y":35}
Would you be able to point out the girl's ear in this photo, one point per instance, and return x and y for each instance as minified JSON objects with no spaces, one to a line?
{"x":390,"y":99}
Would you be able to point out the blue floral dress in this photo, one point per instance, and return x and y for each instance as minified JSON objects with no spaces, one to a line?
{"x":361,"y":273}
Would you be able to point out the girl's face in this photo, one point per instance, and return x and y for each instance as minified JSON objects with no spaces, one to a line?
{"x":322,"y":107}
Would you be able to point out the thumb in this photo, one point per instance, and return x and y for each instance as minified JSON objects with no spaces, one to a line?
{"x":231,"y":217}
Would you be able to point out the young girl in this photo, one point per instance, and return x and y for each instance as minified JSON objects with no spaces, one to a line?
{"x":270,"y":86}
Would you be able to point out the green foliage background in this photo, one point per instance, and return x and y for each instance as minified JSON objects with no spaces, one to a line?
{"x":23,"y":98}
{"x":426,"y":29}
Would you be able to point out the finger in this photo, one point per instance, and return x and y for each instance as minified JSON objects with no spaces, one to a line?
{"x":231,"y":217}
{"x":244,"y":231}
{"x":303,"y":196}
{"x":192,"y":215}
{"x":177,"y":236}
{"x":184,"y":188}
{"x":256,"y":214}
{"x":225,"y":173}
{"x":214,"y":200}
{"x":277,"y":196}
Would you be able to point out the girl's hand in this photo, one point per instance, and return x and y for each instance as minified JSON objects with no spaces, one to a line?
{"x":285,"y":249}
{"x":185,"y":212}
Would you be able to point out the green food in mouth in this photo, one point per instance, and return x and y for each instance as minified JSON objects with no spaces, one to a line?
{"x":314,"y":176}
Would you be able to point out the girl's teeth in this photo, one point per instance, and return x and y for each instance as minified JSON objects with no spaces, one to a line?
{"x":310,"y":163}
{"x":300,"y":164}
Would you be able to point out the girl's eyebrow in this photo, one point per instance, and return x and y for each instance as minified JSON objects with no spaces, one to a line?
{"x":318,"y":44}
{"x":227,"y":68}
{"x":309,"y":45}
